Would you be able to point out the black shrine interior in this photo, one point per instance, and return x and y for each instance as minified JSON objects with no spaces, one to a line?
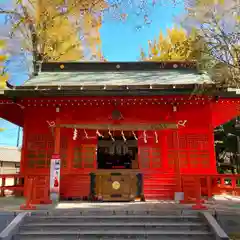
{"x":116,"y":152}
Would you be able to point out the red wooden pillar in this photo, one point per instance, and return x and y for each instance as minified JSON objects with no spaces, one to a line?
{"x":164,"y":151}
{"x":212,"y":160}
{"x":177,"y":168}
{"x":57,"y":139}
{"x":70,"y":152}
{"x":23,"y":163}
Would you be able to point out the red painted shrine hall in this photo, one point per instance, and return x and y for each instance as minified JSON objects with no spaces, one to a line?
{"x":122,"y":130}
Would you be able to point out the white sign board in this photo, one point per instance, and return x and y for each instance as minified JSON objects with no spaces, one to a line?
{"x":55,"y":177}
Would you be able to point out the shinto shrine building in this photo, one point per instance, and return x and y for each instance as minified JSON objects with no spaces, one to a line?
{"x":122,"y":130}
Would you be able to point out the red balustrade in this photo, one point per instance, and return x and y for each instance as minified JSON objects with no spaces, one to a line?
{"x":16,"y":186}
{"x":196,"y":188}
{"x":35,"y":188}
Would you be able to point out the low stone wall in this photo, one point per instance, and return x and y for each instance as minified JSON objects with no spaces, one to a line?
{"x":229,"y":221}
{"x":6,"y":218}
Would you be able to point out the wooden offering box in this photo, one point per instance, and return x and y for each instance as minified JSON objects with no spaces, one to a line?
{"x":116,"y":185}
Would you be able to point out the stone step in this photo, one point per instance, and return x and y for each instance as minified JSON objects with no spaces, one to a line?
{"x":110,"y":237}
{"x":96,"y":226}
{"x":113,"y":219}
{"x":73,"y":237}
{"x":112,"y":234}
{"x":130,"y":210}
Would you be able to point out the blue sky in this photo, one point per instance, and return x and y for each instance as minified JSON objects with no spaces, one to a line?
{"x":121,"y":41}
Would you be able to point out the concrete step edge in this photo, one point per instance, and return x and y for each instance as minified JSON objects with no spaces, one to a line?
{"x":112,"y":216}
{"x":116,"y":232}
{"x":184,"y":224}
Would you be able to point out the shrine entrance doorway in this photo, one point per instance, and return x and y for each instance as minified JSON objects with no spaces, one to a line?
{"x":117,"y":175}
{"x":117,"y":150}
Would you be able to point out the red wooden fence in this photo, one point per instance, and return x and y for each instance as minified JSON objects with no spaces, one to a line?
{"x":196,"y":188}
{"x":16,"y":187}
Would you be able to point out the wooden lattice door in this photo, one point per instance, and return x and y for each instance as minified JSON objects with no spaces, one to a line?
{"x":150,"y":157}
{"x":83,"y":161}
{"x":84,"y":156}
{"x":39,"y":147}
{"x":192,"y":150}
{"x":149,"y":154}
{"x":88,"y":156}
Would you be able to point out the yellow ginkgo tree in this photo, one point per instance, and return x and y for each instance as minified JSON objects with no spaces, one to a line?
{"x":3,"y":74}
{"x":175,"y":46}
{"x":3,"y":58}
{"x":55,"y":30}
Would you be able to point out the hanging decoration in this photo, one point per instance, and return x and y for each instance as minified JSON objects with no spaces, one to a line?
{"x":86,"y":135}
{"x":144,"y":137}
{"x":110,"y":134}
{"x":156,"y":136}
{"x":134,"y":135}
{"x":123,"y":136}
{"x":182,"y":123}
{"x":99,"y":134}
{"x":21,"y":106}
{"x":51,"y":124}
{"x":75,"y":134}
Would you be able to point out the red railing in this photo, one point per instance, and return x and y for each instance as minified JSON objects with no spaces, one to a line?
{"x":34,"y":188}
{"x":196,"y":188}
{"x":11,"y":184}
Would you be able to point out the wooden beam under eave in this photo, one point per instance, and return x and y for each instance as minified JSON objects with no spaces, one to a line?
{"x":122,"y":127}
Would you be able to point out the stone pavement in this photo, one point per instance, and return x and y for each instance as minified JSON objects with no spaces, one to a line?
{"x":221,"y":204}
{"x":225,"y":209}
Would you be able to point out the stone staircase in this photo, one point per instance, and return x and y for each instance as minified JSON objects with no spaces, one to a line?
{"x":113,"y":225}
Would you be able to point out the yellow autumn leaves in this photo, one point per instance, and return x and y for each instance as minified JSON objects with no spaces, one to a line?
{"x":3,"y":58}
{"x":176,"y":46}
{"x":58,"y":34}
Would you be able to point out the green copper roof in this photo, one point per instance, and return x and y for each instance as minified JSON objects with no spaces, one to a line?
{"x":118,"y":78}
